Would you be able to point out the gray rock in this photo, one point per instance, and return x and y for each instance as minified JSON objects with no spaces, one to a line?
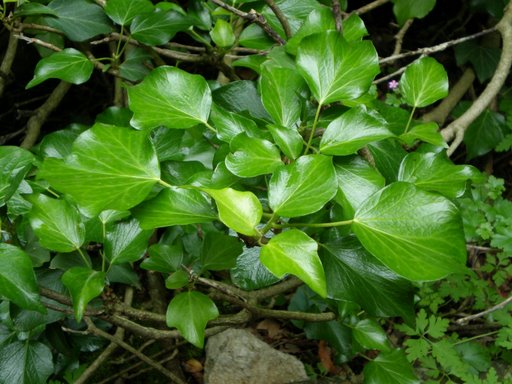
{"x":236,"y":356}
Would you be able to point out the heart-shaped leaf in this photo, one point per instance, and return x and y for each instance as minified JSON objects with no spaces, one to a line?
{"x":126,"y":242}
{"x":435,"y":172}
{"x":56,"y":223}
{"x":390,"y":367}
{"x":303,"y":187}
{"x":25,"y":362}
{"x":17,"y":279}
{"x":84,"y":284}
{"x":370,"y":335}
{"x":249,"y":273}
{"x":287,"y":139}
{"x":240,"y":211}
{"x":229,"y":124}
{"x":424,"y":82}
{"x":158,"y":27}
{"x":110,"y":168}
{"x":219,"y":251}
{"x":222,"y":34}
{"x":252,"y":156}
{"x":335,"y":69}
{"x":15,"y":162}
{"x":175,"y":206}
{"x":295,"y":252}
{"x":123,"y":11}
{"x":172,"y":97}
{"x":189,"y":312}
{"x":415,"y":233}
{"x":163,"y":258}
{"x":428,"y":132}
{"x":69,"y":65}
{"x":408,"y":9}
{"x":352,"y":131}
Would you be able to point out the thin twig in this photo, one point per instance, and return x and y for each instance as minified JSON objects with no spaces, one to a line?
{"x":5,"y":67}
{"x":497,"y":307}
{"x":391,"y":75}
{"x":336,"y":10}
{"x":33,"y":40}
{"x":281,"y":17}
{"x":399,"y":37}
{"x":371,"y":6}
{"x":39,"y":27}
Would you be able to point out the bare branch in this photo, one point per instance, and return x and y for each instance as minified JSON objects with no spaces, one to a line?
{"x":495,"y":308}
{"x":336,"y":10}
{"x":281,"y":17}
{"x":33,"y":40}
{"x":5,"y":67}
{"x":370,"y":6}
{"x":399,"y":37}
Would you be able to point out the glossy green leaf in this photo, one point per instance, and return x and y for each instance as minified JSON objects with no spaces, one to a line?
{"x":126,"y":242}
{"x":254,"y":37}
{"x":122,"y":12}
{"x":15,"y":162}
{"x":182,"y":173}
{"x":80,"y":20}
{"x":135,"y":65}
{"x":56,"y":223}
{"x":355,"y":275}
{"x":415,"y":233}
{"x":25,"y":362}
{"x":177,"y":280}
{"x":294,"y":11}
{"x":388,"y":155}
{"x":484,"y":134}
{"x":229,"y":124}
{"x":58,"y":144}
{"x":175,"y":206}
{"x":303,"y":187}
{"x":424,"y":82}
{"x":282,"y":93}
{"x":357,"y":180}
{"x":295,"y":252}
{"x":158,"y":27}
{"x":110,"y":168}
{"x":241,"y":96}
{"x":408,"y":9}
{"x":219,"y":251}
{"x":251,"y":157}
{"x":17,"y":279}
{"x":249,"y":273}
{"x":435,"y":172}
{"x":240,"y":211}
{"x":84,"y":284}
{"x":163,"y":258}
{"x":289,"y":141}
{"x":370,"y":335}
{"x":391,"y":367}
{"x":33,"y":9}
{"x":335,"y":69}
{"x":189,"y":312}
{"x":352,"y":131}
{"x":172,"y":97}
{"x":427,"y":132}
{"x":483,"y":58}
{"x":69,"y":65}
{"x":222,"y":34}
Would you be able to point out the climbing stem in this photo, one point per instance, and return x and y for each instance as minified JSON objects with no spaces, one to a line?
{"x":87,"y":262}
{"x":314,"y":225}
{"x":313,"y":128}
{"x":410,"y":119}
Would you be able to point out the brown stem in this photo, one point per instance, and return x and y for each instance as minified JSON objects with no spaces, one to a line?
{"x":40,"y":27}
{"x":5,"y":67}
{"x":370,"y":6}
{"x":336,"y":10}
{"x":399,"y":37}
{"x":33,"y":40}
{"x":497,"y":307}
{"x":281,"y":17}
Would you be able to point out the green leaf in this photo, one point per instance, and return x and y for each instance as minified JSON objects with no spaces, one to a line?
{"x":357,"y":180}
{"x":135,"y":66}
{"x":56,"y":223}
{"x":80,"y":20}
{"x":435,"y":172}
{"x":484,"y":134}
{"x":335,"y":69}
{"x":424,"y":82}
{"x":177,"y":280}
{"x":295,"y":252}
{"x":110,"y":168}
{"x":252,"y":156}
{"x":282,"y":93}
{"x":427,"y":132}
{"x":189,"y":312}
{"x":408,"y":9}
{"x":175,"y":206}
{"x":249,"y":273}
{"x":240,"y":96}
{"x":229,"y":124}
{"x":126,"y":242}
{"x":33,"y":9}
{"x":391,"y":367}
{"x":163,"y":258}
{"x":222,"y":34}
{"x":415,"y":233}
{"x":355,"y":275}
{"x":303,"y":187}
{"x":240,"y":211}
{"x":254,"y":37}
{"x":172,"y":97}
{"x":475,"y":355}
{"x":58,"y":144}
{"x":158,"y":27}
{"x":25,"y":362}
{"x":15,"y":162}
{"x":370,"y":335}
{"x":294,"y":11}
{"x":69,"y":65}
{"x":352,"y":131}
{"x":219,"y":251}
{"x":483,"y":58}
{"x":122,"y":12}
{"x":17,"y":279}
{"x":84,"y":284}
{"x":388,"y":155}
{"x":288,"y":140}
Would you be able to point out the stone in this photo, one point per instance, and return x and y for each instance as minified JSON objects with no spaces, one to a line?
{"x":236,"y":356}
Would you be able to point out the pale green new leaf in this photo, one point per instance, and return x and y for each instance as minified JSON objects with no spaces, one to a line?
{"x":408,"y":9}
{"x":189,"y":312}
{"x":172,"y":97}
{"x":56,"y":223}
{"x":370,"y":335}
{"x":84,"y":284}
{"x":240,"y":211}
{"x":415,"y":233}
{"x":336,"y":69}
{"x":17,"y":279}
{"x":230,"y":124}
{"x":222,"y":34}
{"x":15,"y":162}
{"x":427,"y":132}
{"x":69,"y":65}
{"x":424,"y":82}
{"x":109,"y":168}
{"x":302,"y":187}
{"x":295,"y":252}
{"x":123,"y":11}
{"x":126,"y":242}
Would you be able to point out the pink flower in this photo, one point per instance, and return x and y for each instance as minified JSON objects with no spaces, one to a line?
{"x":392,"y":85}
